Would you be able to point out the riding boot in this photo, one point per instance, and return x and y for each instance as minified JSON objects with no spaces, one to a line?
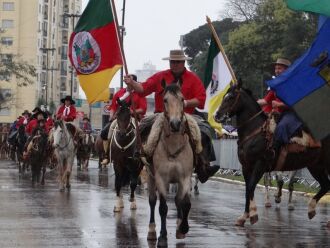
{"x":203,"y":168}
{"x":106,"y":158}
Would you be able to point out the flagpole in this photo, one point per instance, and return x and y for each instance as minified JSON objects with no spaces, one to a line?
{"x":118,"y":35}
{"x":217,"y":40}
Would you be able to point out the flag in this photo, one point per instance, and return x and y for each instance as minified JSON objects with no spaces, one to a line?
{"x":316,"y":6}
{"x":216,"y":82}
{"x":305,"y":85}
{"x":94,"y":50}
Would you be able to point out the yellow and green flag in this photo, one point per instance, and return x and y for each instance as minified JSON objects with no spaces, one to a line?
{"x":94,"y":50}
{"x":217,"y":81}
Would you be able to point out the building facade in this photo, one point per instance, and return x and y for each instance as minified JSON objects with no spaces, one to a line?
{"x":38,"y":32}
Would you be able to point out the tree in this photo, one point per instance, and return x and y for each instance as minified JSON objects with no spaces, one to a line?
{"x":244,"y":10}
{"x":197,"y":41}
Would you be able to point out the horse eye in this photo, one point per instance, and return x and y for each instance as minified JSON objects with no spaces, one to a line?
{"x":165,"y":100}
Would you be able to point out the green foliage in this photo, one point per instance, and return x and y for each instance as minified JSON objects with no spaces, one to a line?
{"x":252,"y":46}
{"x":197,"y":41}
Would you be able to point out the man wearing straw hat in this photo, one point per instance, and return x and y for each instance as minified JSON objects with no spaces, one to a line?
{"x":194,"y":93}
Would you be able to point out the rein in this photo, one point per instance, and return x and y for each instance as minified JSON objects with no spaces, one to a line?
{"x":66,"y":138}
{"x":250,"y":119}
{"x":124,"y":148}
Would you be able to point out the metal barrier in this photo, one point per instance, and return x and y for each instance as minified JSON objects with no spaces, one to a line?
{"x":226,"y":157}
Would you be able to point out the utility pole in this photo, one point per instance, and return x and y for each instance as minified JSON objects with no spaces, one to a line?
{"x":72,"y":17}
{"x":122,"y":33}
{"x":46,"y":50}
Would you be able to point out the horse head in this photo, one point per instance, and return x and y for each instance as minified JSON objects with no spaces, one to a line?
{"x":173,"y":106}
{"x":59,"y":133}
{"x":123,"y":116}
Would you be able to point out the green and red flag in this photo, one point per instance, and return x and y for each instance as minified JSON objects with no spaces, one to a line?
{"x":316,"y":6}
{"x":94,"y":50}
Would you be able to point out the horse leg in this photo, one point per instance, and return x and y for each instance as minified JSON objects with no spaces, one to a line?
{"x":133,"y":186}
{"x":323,"y":180}
{"x":241,"y":220}
{"x":185,"y":206}
{"x":152,"y":235}
{"x":118,"y":180}
{"x":259,"y":170}
{"x":280,"y":183}
{"x":162,"y":239}
{"x":196,"y":190}
{"x":267,"y":182}
{"x":43,"y":174}
{"x":291,"y":182}
{"x":60,"y":168}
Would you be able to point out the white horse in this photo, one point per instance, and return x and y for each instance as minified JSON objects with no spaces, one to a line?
{"x":65,"y":151}
{"x":172,"y":163}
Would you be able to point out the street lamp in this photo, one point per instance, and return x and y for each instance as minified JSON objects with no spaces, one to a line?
{"x":46,"y":69}
{"x":72,"y":16}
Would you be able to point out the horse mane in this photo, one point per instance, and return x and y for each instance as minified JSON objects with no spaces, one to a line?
{"x":250,"y":94}
{"x":173,"y":89}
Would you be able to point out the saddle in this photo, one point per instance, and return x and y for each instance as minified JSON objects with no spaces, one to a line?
{"x":299,"y":143}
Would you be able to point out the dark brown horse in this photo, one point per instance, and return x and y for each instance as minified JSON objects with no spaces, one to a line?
{"x":252,"y":147}
{"x":122,"y":150}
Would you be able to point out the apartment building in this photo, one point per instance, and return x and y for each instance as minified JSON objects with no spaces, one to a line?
{"x":38,"y":31}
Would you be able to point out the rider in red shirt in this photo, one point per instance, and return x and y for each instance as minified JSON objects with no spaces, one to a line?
{"x":194,"y":93}
{"x":67,"y":111}
{"x":39,"y":115}
{"x":24,"y":119}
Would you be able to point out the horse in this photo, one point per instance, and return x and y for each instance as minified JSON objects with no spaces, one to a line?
{"x":123,"y":145}
{"x":38,"y":157}
{"x":280,"y":183}
{"x":65,"y":151}
{"x":20,"y":141}
{"x":253,"y":149}
{"x":172,"y":162}
{"x":84,"y":150}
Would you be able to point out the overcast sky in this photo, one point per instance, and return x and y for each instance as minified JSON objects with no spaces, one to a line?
{"x":153,"y":27}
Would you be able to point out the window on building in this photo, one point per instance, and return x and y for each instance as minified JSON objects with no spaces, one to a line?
{"x":64,"y":52}
{"x":6,"y":58}
{"x":63,"y":84}
{"x":7,"y":41}
{"x":64,"y":69}
{"x":8,"y":6}
{"x":7,"y":23}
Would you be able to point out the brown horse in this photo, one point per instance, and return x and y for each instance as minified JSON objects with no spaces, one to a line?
{"x":252,"y":147}
{"x":122,"y":150}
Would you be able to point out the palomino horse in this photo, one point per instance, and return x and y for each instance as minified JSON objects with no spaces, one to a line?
{"x":38,"y":157}
{"x":172,"y":163}
{"x":252,"y":147}
{"x":85,"y":146}
{"x":122,"y":150}
{"x":65,"y":151}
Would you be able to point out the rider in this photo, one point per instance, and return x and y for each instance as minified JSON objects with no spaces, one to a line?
{"x":49,"y":121}
{"x":24,"y":119}
{"x":289,"y":122}
{"x":33,"y":123}
{"x":67,"y":112}
{"x":193,"y":91}
{"x":140,"y":104}
{"x":86,"y":125}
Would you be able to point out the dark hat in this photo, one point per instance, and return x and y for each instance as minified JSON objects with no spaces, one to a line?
{"x":36,"y":109}
{"x":39,"y":112}
{"x":86,"y":118}
{"x":68,"y":98}
{"x":26,"y":112}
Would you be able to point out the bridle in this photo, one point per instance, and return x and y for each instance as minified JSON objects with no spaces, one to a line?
{"x":66,"y":139}
{"x":132,"y":127}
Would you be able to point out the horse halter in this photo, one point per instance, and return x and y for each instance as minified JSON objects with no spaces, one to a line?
{"x":235,"y":102}
{"x":133,"y":128}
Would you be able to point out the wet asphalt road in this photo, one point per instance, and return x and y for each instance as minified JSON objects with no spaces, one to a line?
{"x":44,"y":217}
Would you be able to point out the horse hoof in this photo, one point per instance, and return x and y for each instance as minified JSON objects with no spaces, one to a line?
{"x":278,"y":199}
{"x":68,"y":186}
{"x":162,"y":242}
{"x":152,"y":236}
{"x":328,"y":224}
{"x":62,"y":189}
{"x":268,"y":204}
{"x":179,"y":235}
{"x":240,"y":222}
{"x":117,"y":209}
{"x":42,"y":183}
{"x":133,"y":206}
{"x":290,"y":207}
{"x":311,"y":214}
{"x":253,"y":219}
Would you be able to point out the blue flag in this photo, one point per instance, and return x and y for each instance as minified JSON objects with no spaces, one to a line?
{"x":305,"y":85}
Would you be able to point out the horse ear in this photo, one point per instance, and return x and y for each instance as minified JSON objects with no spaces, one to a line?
{"x":163,"y":83}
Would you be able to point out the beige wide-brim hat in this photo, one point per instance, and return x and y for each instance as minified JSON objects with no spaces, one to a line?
{"x":284,"y":62}
{"x":177,"y":55}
